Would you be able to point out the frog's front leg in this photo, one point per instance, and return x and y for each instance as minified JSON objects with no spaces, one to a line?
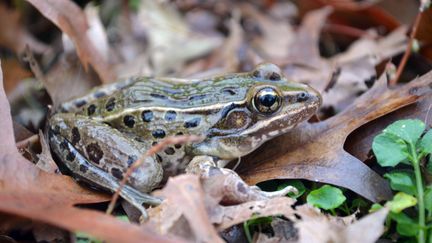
{"x":100,"y":154}
{"x":235,"y":190}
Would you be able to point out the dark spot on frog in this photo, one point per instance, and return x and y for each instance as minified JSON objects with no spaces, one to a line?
{"x":192,"y":122}
{"x":110,"y":105}
{"x":256,"y":74}
{"x":70,"y":156}
{"x":241,"y":188}
{"x":159,"y":158}
{"x":274,"y":76}
{"x":91,"y":109}
{"x":413,"y":90}
{"x":83,"y":168}
{"x":177,"y":146}
{"x":129,"y":121}
{"x":147,"y":116}
{"x":64,"y":145}
{"x":228,"y":91}
{"x":213,"y":170}
{"x":80,"y":103}
{"x":116,"y":172}
{"x":159,"y":96}
{"x":75,"y":137}
{"x":154,"y":143}
{"x":169,"y":151}
{"x":170,"y":115}
{"x":131,"y":160}
{"x":99,"y":94}
{"x":370,"y":82}
{"x":197,"y":97}
{"x":94,"y":152}
{"x":56,"y":129}
{"x":158,"y":133}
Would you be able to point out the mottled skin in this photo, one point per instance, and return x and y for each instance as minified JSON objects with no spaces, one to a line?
{"x":99,"y":135}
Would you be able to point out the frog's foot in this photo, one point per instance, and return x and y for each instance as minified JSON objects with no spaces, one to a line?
{"x":234,"y":190}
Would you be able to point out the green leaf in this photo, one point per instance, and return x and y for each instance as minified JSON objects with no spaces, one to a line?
{"x":389,"y":150}
{"x":405,"y":225}
{"x":375,"y":207}
{"x":429,"y":165}
{"x":426,"y":143}
{"x":409,"y":130}
{"x":295,"y":183}
{"x":327,"y":197}
{"x":359,"y":203}
{"x":401,"y":201}
{"x":403,"y":181}
{"x":81,"y":237}
{"x":428,"y":199}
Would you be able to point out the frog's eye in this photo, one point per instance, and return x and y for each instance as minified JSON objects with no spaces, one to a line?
{"x":267,"y":71}
{"x":267,"y":100}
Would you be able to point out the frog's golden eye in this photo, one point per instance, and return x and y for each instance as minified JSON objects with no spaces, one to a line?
{"x":267,"y":100}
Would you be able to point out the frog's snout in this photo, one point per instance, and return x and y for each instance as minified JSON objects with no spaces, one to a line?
{"x":310,"y":96}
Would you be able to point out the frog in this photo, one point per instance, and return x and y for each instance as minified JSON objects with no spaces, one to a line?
{"x":100,"y":135}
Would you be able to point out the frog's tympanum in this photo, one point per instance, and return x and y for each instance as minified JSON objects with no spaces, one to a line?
{"x":99,"y":135}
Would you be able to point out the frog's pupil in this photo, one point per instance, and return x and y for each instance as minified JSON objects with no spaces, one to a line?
{"x":267,"y":100}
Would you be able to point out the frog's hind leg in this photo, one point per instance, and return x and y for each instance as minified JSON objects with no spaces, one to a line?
{"x":99,"y":154}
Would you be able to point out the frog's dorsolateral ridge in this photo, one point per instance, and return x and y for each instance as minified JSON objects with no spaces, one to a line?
{"x":99,"y":135}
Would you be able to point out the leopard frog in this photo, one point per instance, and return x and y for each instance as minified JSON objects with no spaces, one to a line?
{"x":98,"y":136}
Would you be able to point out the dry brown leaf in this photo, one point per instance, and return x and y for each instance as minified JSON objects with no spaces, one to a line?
{"x":277,"y":35}
{"x":349,"y":4}
{"x":316,"y":227}
{"x":315,"y":151}
{"x":29,"y":192}
{"x":168,"y":31}
{"x":73,"y":22}
{"x":184,"y":196}
{"x":14,"y":36}
{"x":67,"y":79}
{"x":46,"y":162}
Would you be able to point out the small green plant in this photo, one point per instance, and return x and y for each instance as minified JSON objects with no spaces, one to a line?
{"x":255,"y":222}
{"x":326,"y":197}
{"x":404,"y":144}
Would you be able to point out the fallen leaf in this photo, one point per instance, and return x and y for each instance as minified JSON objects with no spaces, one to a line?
{"x":67,"y":79}
{"x":276,"y":36}
{"x":14,"y":36}
{"x":73,"y":22}
{"x":349,"y":4}
{"x":168,"y":31}
{"x":184,"y":196}
{"x":315,"y":151}
{"x":316,"y":227}
{"x":46,"y":162}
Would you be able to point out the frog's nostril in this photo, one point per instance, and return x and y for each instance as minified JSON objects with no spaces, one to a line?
{"x":303,"y":96}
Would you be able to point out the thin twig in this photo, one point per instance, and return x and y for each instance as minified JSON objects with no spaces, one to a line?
{"x":408,"y":50}
{"x":24,"y":143}
{"x":348,"y":31}
{"x":152,"y":151}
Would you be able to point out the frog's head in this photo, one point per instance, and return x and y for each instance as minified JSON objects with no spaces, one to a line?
{"x":271,"y":106}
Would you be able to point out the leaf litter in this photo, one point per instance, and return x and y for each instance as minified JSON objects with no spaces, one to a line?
{"x":192,"y":208}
